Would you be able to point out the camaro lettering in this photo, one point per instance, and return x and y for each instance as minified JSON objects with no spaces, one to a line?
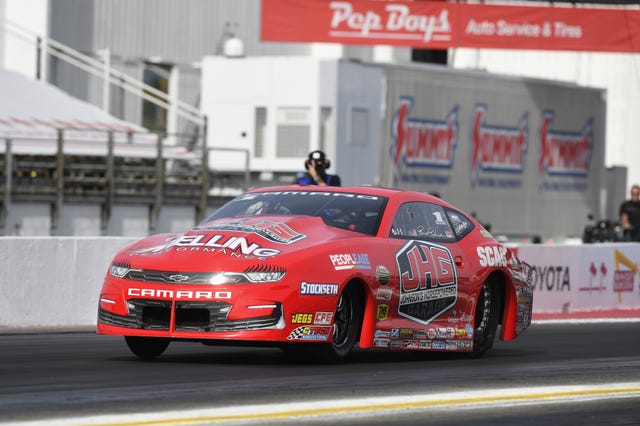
{"x":178,"y":294}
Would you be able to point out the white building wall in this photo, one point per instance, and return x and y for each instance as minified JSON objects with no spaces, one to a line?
{"x":16,"y":54}
{"x":619,"y":74}
{"x":233,"y":88}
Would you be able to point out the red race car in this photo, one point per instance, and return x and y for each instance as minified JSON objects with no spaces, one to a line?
{"x":316,"y":270}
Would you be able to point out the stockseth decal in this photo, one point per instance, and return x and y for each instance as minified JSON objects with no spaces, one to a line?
{"x":310,"y":289}
{"x":428,"y":281}
{"x":272,"y":231}
{"x":497,"y":149}
{"x":422,"y":142}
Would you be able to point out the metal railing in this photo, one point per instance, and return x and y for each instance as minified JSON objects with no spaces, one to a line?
{"x":121,"y":167}
{"x":102,"y":69}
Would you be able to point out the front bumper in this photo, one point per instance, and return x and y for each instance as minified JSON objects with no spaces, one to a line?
{"x":247,"y":312}
{"x":186,"y":316}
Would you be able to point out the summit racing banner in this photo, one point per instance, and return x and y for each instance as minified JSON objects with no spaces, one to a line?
{"x":442,"y":25}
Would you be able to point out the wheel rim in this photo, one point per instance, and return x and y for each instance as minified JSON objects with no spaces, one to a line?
{"x":344,"y":314}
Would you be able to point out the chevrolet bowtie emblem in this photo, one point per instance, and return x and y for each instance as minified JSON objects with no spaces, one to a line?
{"x":178,"y":278}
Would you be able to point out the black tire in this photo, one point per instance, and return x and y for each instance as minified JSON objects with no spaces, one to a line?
{"x":346,"y":329}
{"x":486,"y":319}
{"x":147,"y":347}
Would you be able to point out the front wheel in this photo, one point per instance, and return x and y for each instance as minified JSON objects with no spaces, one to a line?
{"x":147,"y":347}
{"x":486,"y":319}
{"x":346,"y":328}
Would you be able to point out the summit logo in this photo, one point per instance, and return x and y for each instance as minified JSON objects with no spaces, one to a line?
{"x":423,"y":142}
{"x":564,"y":153}
{"x":497,"y":148}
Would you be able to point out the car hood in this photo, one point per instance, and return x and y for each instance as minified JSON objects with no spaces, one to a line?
{"x":232,"y":242}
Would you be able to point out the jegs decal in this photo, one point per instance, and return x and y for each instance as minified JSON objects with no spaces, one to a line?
{"x":428,"y":281}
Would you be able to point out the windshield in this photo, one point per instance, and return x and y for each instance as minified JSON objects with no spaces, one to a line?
{"x":352,"y":211}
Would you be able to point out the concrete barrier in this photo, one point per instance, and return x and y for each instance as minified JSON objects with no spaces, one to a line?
{"x":585,"y":277}
{"x":53,"y":282}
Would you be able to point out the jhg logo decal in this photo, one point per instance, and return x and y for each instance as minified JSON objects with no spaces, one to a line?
{"x":420,"y":142}
{"x":428,"y":281}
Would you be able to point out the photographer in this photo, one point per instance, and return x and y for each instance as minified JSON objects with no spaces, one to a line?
{"x":317,"y":165}
{"x":630,"y":215}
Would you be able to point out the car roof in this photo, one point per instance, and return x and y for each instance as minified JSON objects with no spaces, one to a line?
{"x":365,"y":189}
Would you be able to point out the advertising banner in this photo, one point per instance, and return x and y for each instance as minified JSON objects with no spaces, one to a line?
{"x":442,"y":25}
{"x":584,"y":277}
{"x":525,"y":155}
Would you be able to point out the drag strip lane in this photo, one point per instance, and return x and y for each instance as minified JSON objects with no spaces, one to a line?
{"x":63,"y":376}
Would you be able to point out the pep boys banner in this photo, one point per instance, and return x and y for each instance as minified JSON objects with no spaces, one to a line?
{"x":441,"y":25}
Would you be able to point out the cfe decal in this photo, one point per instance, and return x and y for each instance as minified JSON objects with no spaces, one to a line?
{"x":497,"y":149}
{"x":564,"y":153}
{"x":423,"y":142}
{"x":428,"y":281}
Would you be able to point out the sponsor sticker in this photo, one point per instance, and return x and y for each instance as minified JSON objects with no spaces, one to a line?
{"x":384,"y":294}
{"x":323,"y":318}
{"x":382,"y":312}
{"x":178,"y":294}
{"x":301,"y":318}
{"x":311,"y":333}
{"x":428,"y":281}
{"x":350,"y":261}
{"x":318,"y":289}
{"x":382,"y":275}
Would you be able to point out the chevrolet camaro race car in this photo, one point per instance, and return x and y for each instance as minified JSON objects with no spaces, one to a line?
{"x":317,"y":270}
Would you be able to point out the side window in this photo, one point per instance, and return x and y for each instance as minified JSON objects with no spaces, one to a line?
{"x":461,"y":224}
{"x":422,"y":221}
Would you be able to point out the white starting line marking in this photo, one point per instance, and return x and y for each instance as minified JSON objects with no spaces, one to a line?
{"x":356,"y":406}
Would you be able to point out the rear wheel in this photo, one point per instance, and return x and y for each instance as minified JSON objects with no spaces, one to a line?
{"x":486,"y":319}
{"x":147,"y":347}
